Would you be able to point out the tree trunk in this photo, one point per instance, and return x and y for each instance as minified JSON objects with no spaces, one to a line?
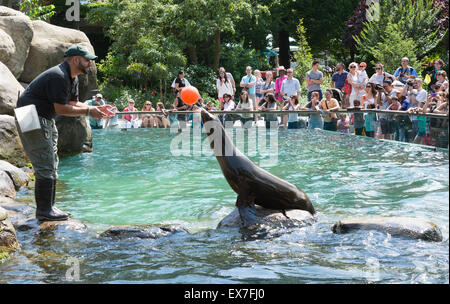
{"x":216,"y":50}
{"x":192,"y":53}
{"x":283,"y":42}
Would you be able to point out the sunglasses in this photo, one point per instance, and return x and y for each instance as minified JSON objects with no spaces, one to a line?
{"x":147,"y":104}
{"x":353,"y":67}
{"x":361,"y":66}
{"x":378,"y":68}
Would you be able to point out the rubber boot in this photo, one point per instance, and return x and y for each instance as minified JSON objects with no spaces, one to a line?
{"x":56,"y":209}
{"x":43,"y":193}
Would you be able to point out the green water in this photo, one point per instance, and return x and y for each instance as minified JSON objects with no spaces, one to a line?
{"x":132,"y":177}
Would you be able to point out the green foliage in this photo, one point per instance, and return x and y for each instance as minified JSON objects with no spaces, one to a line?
{"x":393,"y":47}
{"x":37,"y":10}
{"x":414,"y":19}
{"x":121,"y":94}
{"x":203,"y":78}
{"x":303,"y":56}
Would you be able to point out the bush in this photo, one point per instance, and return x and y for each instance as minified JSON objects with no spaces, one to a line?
{"x":203,"y":78}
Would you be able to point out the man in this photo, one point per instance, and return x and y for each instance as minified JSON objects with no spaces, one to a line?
{"x":248,"y":83}
{"x":338,"y":78}
{"x":417,"y":97}
{"x":55,"y":91}
{"x":289,"y":87}
{"x":96,"y":101}
{"x":383,"y":100}
{"x":180,"y":83}
{"x":314,"y":79}
{"x":230,"y":78}
{"x":402,"y":73}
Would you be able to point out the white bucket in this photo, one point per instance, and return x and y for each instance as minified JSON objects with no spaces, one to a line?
{"x":27,"y":118}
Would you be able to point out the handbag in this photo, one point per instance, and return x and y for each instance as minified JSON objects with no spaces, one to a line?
{"x":347,"y":89}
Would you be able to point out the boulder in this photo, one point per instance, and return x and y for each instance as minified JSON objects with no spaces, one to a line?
{"x":11,"y":149}
{"x":8,"y":237}
{"x":10,"y":89}
{"x":6,"y":185}
{"x":142,"y":231}
{"x":74,"y":135}
{"x":18,"y":176}
{"x":7,"y":46}
{"x":17,"y":212}
{"x":271,"y":218}
{"x":414,"y":228}
{"x":47,"y":50}
{"x":19,"y":27}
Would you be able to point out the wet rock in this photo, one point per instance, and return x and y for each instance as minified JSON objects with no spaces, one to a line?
{"x":49,"y":226}
{"x":8,"y":237}
{"x":414,"y":228}
{"x":16,"y":211}
{"x":18,"y":176}
{"x":272,"y":218}
{"x":142,"y":231}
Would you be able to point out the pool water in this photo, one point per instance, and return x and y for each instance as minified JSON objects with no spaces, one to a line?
{"x":134,"y":177}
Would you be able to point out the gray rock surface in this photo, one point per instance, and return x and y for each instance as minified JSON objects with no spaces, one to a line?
{"x":38,"y":226}
{"x":10,"y":89}
{"x":11,"y":149}
{"x":8,"y":237}
{"x":18,"y":176}
{"x":271,"y":218}
{"x":414,"y":228}
{"x":47,"y":50}
{"x":74,"y":135}
{"x":19,"y":27}
{"x":6,"y":185}
{"x":141,"y":231}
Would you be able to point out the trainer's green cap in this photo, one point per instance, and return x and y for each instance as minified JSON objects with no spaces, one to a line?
{"x":79,"y":50}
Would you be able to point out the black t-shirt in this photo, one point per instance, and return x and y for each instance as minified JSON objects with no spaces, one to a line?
{"x":53,"y":85}
{"x":181,"y":83}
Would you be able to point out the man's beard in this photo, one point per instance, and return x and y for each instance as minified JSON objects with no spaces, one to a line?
{"x":82,"y":68}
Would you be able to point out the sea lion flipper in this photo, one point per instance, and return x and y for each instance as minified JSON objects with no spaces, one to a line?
{"x":247,"y":211}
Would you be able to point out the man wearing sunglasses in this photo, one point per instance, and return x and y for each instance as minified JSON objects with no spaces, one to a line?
{"x":402,"y":73}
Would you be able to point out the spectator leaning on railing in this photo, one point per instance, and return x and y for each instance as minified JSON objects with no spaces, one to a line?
{"x":417,"y":97}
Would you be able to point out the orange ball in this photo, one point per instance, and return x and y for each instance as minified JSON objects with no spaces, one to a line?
{"x":189,"y":95}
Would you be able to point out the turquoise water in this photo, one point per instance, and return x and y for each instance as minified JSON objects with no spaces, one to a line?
{"x":133,"y":178}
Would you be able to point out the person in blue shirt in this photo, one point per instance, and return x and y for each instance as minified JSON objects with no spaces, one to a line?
{"x":338,"y":78}
{"x":403,"y":72}
{"x":248,"y":83}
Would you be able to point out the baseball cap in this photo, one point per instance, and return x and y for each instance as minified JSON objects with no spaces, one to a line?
{"x":363,"y":64}
{"x":79,"y":50}
{"x":99,"y":95}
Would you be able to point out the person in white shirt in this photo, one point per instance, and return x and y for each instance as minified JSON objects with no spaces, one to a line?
{"x":417,"y":97}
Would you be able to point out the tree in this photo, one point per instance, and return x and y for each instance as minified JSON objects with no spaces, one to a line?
{"x":303,"y":56}
{"x":37,"y":9}
{"x":416,"y":19}
{"x":354,"y":27}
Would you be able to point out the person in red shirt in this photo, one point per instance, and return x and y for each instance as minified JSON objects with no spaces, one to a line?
{"x":131,"y":120}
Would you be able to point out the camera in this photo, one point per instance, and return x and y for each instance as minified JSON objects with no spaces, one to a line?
{"x":378,"y":87}
{"x":410,"y":82}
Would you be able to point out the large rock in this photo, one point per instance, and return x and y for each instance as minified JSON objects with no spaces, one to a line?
{"x":11,"y":149}
{"x":414,"y":228}
{"x":74,"y":135}
{"x":271,"y":218}
{"x":8,"y":237}
{"x":19,"y":27}
{"x":47,"y":50}
{"x":141,"y":231}
{"x":7,"y":46}
{"x":18,"y":176}
{"x":10,"y":89}
{"x":6,"y":185}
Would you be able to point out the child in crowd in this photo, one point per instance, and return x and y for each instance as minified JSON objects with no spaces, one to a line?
{"x":370,"y":121}
{"x":358,"y":119}
{"x":343,"y":124}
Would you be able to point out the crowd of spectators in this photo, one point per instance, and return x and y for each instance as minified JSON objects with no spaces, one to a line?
{"x":352,"y":90}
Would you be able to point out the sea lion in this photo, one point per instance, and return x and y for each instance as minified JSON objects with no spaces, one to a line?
{"x":252,"y":184}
